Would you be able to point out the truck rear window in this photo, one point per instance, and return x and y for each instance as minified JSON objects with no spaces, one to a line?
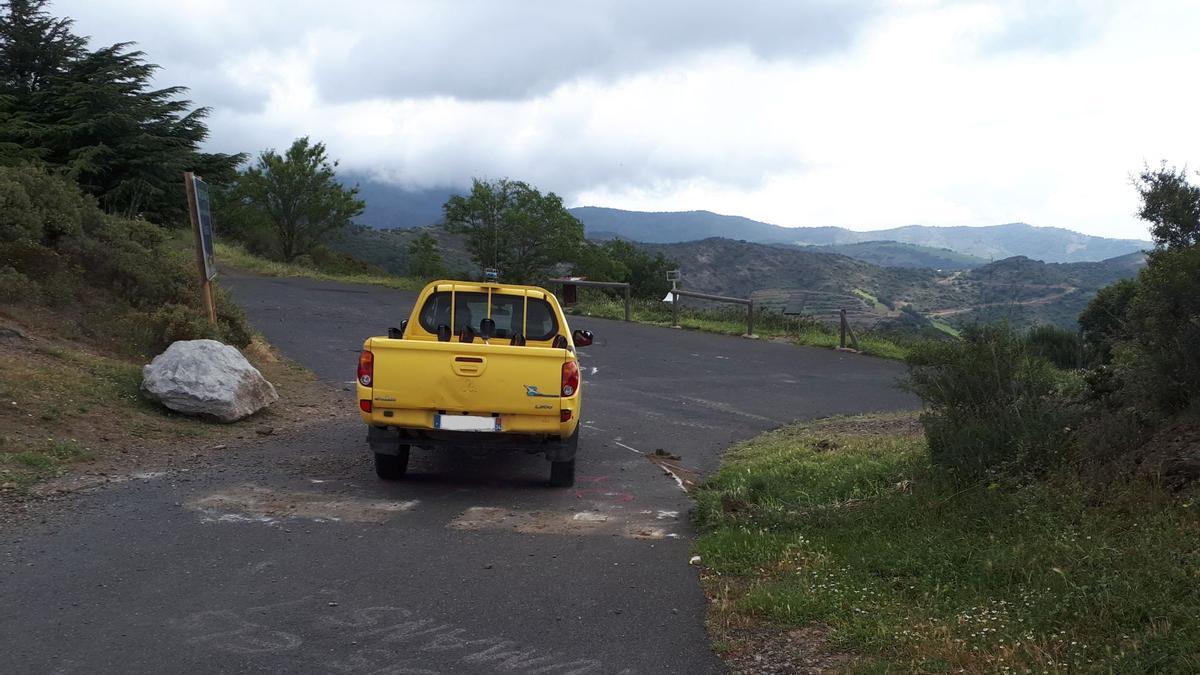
{"x":508,"y":311}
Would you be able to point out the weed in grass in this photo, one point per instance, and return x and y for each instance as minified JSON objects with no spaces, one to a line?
{"x":32,"y":459}
{"x":68,"y":451}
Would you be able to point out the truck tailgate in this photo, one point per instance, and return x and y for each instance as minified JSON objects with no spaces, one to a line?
{"x":473,"y":378}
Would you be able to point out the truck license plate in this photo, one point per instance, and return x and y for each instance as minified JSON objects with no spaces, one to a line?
{"x":466,"y":423}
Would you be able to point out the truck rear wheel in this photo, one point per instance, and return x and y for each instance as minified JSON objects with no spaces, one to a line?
{"x":562,"y":474}
{"x":392,"y":467}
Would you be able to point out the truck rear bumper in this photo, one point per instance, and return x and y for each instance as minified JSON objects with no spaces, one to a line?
{"x":387,"y":441}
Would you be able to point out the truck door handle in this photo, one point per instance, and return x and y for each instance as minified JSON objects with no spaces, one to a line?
{"x":469,"y":366}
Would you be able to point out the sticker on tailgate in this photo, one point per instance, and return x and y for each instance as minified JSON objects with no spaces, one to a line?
{"x":532,"y":390}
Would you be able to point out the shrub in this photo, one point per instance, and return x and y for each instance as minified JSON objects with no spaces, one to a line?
{"x":178,"y":322}
{"x":1103,"y":322}
{"x":18,"y":288}
{"x":1059,"y":346}
{"x":136,"y":292}
{"x":36,"y":206}
{"x":992,"y":405}
{"x":1164,"y":325}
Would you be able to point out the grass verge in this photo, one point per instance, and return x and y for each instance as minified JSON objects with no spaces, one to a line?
{"x":238,"y":257}
{"x":733,"y":322}
{"x":63,"y":407}
{"x":839,"y":531}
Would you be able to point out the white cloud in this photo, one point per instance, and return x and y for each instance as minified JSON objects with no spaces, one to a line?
{"x":945,"y":113}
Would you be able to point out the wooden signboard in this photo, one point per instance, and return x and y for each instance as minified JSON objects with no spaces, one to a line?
{"x":201,"y":217}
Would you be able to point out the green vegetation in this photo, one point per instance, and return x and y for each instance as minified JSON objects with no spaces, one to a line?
{"x":118,"y":283}
{"x":98,"y":116}
{"x":336,"y":268}
{"x":844,"y":524}
{"x":511,"y":227}
{"x":1045,"y":521}
{"x":898,"y":254}
{"x":992,"y":403}
{"x":289,"y":205}
{"x":424,"y":259}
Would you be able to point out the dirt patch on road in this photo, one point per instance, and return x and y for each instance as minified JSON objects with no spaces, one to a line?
{"x":638,"y":525}
{"x":255,"y":503}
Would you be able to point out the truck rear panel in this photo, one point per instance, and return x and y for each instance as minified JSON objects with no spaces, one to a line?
{"x":416,"y":380}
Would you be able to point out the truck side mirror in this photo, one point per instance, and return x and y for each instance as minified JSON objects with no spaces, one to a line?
{"x":398,"y":333}
{"x":582,"y":338}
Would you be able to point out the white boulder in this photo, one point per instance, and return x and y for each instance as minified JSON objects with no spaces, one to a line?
{"x":206,"y":377}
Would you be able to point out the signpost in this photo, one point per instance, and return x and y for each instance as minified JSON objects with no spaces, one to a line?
{"x":201,"y":216}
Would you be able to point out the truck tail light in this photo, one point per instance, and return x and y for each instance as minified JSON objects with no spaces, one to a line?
{"x":364,"y":404}
{"x":570,"y":378}
{"x":564,"y":416}
{"x":366,"y":368}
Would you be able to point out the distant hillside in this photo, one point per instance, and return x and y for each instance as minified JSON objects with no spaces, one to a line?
{"x":1050,"y":244}
{"x":1021,"y":290}
{"x":389,"y":248}
{"x":896,"y":254}
{"x":391,"y":206}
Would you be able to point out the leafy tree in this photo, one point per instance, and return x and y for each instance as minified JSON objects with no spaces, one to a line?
{"x":1171,"y":205}
{"x":1164,"y":326}
{"x":299,"y":195}
{"x":619,"y":260}
{"x":511,"y":227}
{"x":424,"y":260}
{"x":96,"y":116}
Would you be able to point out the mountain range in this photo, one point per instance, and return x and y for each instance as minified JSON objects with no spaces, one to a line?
{"x":948,"y":248}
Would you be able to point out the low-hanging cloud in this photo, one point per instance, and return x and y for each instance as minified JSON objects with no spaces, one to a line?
{"x":864,"y":114}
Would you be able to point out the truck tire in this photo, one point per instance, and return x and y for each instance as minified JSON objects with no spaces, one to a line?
{"x":562,"y":474}
{"x":392,"y":467}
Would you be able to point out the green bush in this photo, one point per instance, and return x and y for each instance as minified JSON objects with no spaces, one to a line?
{"x":1102,"y":324}
{"x":36,"y":206}
{"x":134,"y":290}
{"x":1059,"y":346}
{"x":1164,"y":325}
{"x":992,"y":405}
{"x":171,"y":323}
{"x":18,"y":288}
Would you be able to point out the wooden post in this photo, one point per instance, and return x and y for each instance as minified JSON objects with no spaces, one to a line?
{"x":842,"y":341}
{"x":205,"y":285}
{"x":628,"y":317}
{"x":675,"y":297}
{"x":750,"y":319}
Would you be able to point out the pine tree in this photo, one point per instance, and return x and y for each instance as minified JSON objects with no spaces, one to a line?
{"x":95,"y":116}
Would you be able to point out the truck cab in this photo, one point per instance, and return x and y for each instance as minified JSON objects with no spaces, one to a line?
{"x":476,"y":366}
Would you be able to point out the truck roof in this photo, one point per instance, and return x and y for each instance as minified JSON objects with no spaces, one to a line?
{"x":483,"y":286}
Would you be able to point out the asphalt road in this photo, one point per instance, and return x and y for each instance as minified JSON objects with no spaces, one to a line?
{"x":295,"y":558}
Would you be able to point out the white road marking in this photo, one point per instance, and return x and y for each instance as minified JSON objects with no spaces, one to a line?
{"x":631,"y":449}
{"x":678,"y":480}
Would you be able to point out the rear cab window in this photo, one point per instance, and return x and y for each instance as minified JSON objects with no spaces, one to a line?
{"x":512,"y":313}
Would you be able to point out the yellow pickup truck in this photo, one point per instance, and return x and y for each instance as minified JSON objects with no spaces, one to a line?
{"x":476,"y":366}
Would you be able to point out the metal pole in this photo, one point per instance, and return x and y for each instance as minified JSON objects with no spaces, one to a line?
{"x":627,"y":315}
{"x":842,"y":342}
{"x":750,"y":319}
{"x":674,"y":309}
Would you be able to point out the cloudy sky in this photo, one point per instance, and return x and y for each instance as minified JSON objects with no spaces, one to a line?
{"x":861,"y":114}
